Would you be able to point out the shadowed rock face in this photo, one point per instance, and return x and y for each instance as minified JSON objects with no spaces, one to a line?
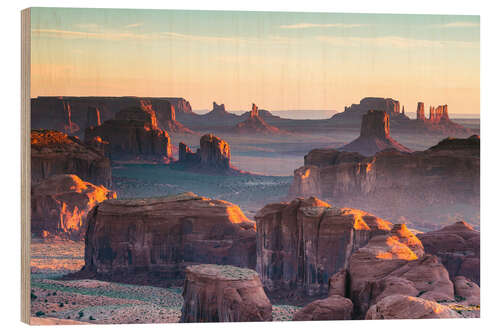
{"x":214,"y":293}
{"x":331,"y":308}
{"x":93,"y":117}
{"x":213,"y":156}
{"x":153,"y":240}
{"x":458,"y":248}
{"x":301,"y":243}
{"x":59,"y":206}
{"x":375,"y":135}
{"x":133,"y":135}
{"x":54,"y":153}
{"x":413,"y":183}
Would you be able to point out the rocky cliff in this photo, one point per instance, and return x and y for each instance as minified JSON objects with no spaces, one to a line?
{"x":69,"y":114}
{"x":54,"y":153}
{"x":59,"y":206}
{"x":458,"y":247}
{"x":301,"y":243}
{"x":133,"y":135}
{"x":213,"y":156}
{"x":153,"y":240}
{"x":375,"y":135}
{"x":166,"y":116}
{"x":424,"y":187}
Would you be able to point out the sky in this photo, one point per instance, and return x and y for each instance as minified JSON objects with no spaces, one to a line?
{"x":280,"y":61}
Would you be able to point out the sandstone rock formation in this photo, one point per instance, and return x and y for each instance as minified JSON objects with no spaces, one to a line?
{"x":375,"y":136}
{"x":301,"y":243}
{"x":331,"y":308}
{"x":69,"y":114}
{"x":93,"y":117}
{"x":458,"y":248}
{"x":59,"y":206}
{"x":395,"y":264}
{"x":133,"y":135}
{"x":214,"y":293}
{"x":254,"y":124}
{"x":152,"y":240}
{"x":213,"y":156}
{"x":54,"y":153}
{"x":424,"y":186}
{"x":466,"y":291}
{"x":167,"y":120}
{"x":408,"y":307}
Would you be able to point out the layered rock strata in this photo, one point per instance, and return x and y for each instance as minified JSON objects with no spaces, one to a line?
{"x":59,"y":206}
{"x":215,"y":293}
{"x":54,"y":153}
{"x":153,"y":240}
{"x":301,"y":243}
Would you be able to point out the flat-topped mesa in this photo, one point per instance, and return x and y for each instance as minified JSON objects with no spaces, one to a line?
{"x":302,"y":243}
{"x":218,"y":108}
{"x":222,"y":293}
{"x":374,"y":136}
{"x":388,"y":105}
{"x":152,"y":240}
{"x":54,"y":153}
{"x":213,"y":156}
{"x":133,"y":135}
{"x":59,"y":206}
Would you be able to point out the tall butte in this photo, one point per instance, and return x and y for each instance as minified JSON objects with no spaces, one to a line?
{"x":254,"y":124}
{"x":375,"y":135}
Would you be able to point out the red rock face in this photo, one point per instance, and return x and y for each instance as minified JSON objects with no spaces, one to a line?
{"x":388,"y":105}
{"x":59,"y":206}
{"x":407,"y":307}
{"x":133,"y":135}
{"x":93,"y":117}
{"x":458,"y":248}
{"x":420,"y":111}
{"x":54,"y":153}
{"x":214,"y":156}
{"x":438,"y":178}
{"x":214,"y":293}
{"x":300,"y":244}
{"x":375,"y":135}
{"x":167,"y":121}
{"x":331,"y":308}
{"x":395,"y":264}
{"x":153,"y":240}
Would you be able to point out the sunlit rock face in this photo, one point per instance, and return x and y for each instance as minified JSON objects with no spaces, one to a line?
{"x":133,"y":135}
{"x":153,"y":240}
{"x":375,"y":135}
{"x":458,"y":247}
{"x":167,"y":121}
{"x":395,"y":263}
{"x":59,"y":206}
{"x":54,"y":153}
{"x":255,"y":124}
{"x":408,"y":307}
{"x":394,"y":184}
{"x":301,"y":243}
{"x":213,"y":156}
{"x":222,"y":293}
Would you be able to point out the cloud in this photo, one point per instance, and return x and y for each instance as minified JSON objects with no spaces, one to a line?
{"x":134,"y":25}
{"x":392,"y":41}
{"x":68,"y":34}
{"x":318,"y":25}
{"x":458,"y":25}
{"x":88,"y":26}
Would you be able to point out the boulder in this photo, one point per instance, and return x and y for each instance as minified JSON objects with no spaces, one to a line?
{"x":152,"y":240}
{"x":375,"y":135}
{"x":466,"y":291}
{"x":458,"y":247}
{"x":423,"y":186}
{"x":331,"y":308}
{"x":55,"y":153}
{"x":301,"y":243}
{"x":408,"y":307}
{"x":395,"y":263}
{"x":134,"y":135}
{"x":59,"y":206}
{"x":337,"y":284}
{"x":216,"y":293}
